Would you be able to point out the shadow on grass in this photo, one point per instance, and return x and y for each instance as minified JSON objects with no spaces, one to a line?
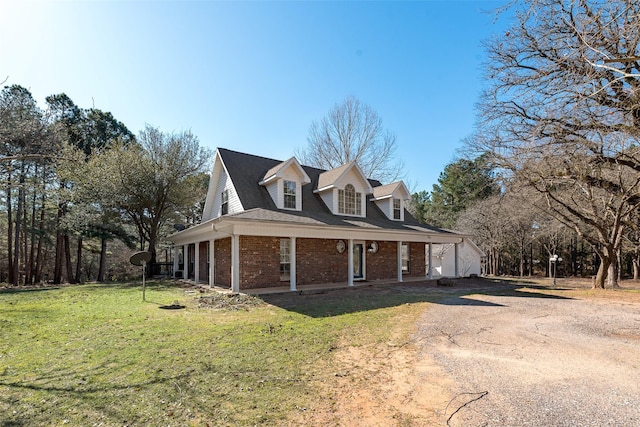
{"x":344,"y":301}
{"x":24,"y":290}
{"x":157,"y":285}
{"x":70,"y":381}
{"x":86,"y":390}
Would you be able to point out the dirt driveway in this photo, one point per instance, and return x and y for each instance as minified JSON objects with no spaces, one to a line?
{"x":496,"y":355}
{"x":528,"y":358}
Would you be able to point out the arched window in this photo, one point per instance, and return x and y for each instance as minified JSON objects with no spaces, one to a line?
{"x":349,"y":201}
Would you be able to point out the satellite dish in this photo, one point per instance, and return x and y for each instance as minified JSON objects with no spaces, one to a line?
{"x":141,"y":259}
{"x":179,"y":227}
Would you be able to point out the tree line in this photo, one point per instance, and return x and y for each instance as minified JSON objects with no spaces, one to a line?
{"x":77,"y":180}
{"x":557,"y":142}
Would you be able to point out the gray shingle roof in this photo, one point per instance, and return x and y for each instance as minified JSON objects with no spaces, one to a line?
{"x":327,"y":178}
{"x":247,"y":170}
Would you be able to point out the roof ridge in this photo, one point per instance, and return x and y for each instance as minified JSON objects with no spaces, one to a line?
{"x":251,"y":155}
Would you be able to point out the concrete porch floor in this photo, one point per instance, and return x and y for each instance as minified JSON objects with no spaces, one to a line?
{"x":302,"y":289}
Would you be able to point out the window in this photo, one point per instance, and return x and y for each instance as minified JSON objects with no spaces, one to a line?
{"x":349,"y":201}
{"x":396,"y":208}
{"x":224,"y":205}
{"x":285,"y":259}
{"x":406,"y":263}
{"x":289,"y":194}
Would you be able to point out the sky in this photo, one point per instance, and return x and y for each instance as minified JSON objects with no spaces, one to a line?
{"x":252,"y":76}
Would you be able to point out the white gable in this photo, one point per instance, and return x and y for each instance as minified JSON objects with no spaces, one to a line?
{"x":220,"y":182}
{"x":355,"y":178}
{"x":289,"y":170}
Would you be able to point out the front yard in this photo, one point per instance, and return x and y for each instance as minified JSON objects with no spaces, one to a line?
{"x":97,"y":355}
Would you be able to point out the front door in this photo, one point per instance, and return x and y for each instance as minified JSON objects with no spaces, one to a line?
{"x":358,"y":261}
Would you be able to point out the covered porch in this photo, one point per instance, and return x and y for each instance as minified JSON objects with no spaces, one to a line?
{"x":225,"y":259}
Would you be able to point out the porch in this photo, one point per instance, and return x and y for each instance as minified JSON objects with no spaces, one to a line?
{"x":319,"y":287}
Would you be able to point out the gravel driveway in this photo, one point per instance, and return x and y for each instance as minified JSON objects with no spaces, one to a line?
{"x":542,"y":360}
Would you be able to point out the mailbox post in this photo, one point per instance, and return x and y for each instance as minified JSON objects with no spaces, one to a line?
{"x":555,"y":259}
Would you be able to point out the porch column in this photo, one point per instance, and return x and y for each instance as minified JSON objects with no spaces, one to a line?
{"x":455,"y":261}
{"x":185,"y":261}
{"x":212,"y":264}
{"x":399,"y":261}
{"x":292,"y":260}
{"x":430,"y":269}
{"x":196,"y":262}
{"x":175,"y":261}
{"x":235,"y":263}
{"x":350,"y":271}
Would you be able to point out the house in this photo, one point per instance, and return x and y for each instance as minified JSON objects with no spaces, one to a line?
{"x":273,"y":223}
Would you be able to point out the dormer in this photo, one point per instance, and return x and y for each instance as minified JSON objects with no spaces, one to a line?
{"x":391,"y":199}
{"x":344,"y":190}
{"x":284,"y":183}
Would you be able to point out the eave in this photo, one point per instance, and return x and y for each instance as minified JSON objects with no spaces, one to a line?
{"x":226,"y":226}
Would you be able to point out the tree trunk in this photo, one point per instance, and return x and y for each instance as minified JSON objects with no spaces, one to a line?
{"x":57,"y":269}
{"x":152,"y":246}
{"x":606,"y":259}
{"x":601,"y":276}
{"x":16,"y":241}
{"x":612,"y":275}
{"x":531,"y":261}
{"x":30,"y":270}
{"x":522,"y":259}
{"x":9,"y":229}
{"x":636,"y":264}
{"x":620,"y":264}
{"x":67,"y":258}
{"x":38,"y":266}
{"x":103,"y":260}
{"x":79,"y":260}
{"x":25,"y":238}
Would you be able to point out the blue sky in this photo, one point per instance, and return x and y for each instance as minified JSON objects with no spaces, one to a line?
{"x":252,"y":76}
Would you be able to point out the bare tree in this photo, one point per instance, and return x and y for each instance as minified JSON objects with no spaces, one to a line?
{"x":352,"y":131}
{"x":485,"y":221}
{"x":562,"y":114}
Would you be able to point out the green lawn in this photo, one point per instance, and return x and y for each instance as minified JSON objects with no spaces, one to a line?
{"x":97,"y":355}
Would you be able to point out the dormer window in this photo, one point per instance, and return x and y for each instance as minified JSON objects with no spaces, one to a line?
{"x":391,"y":199}
{"x":349,"y":201}
{"x":224,"y":204}
{"x":284,"y":183}
{"x":396,"y":209}
{"x":289,"y":188}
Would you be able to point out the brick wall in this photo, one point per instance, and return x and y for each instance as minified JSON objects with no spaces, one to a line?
{"x":260,"y":262}
{"x":319,"y":262}
{"x":384,"y":263}
{"x":222,"y":255}
{"x":417,"y":259}
{"x":203,"y":275}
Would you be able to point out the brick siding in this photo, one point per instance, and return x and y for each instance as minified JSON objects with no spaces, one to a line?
{"x":222,"y":255}
{"x":203,"y":275}
{"x":417,"y":259}
{"x":319,"y":262}
{"x":260,"y":262}
{"x":384,"y":263}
